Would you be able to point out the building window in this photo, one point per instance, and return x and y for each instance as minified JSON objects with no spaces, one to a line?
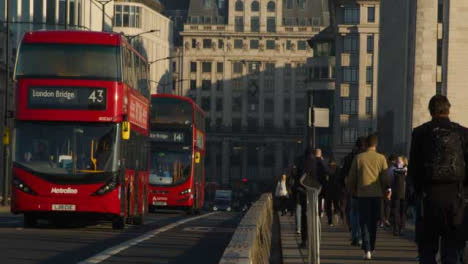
{"x":206,"y":85}
{"x":193,"y":85}
{"x":349,"y":106}
{"x":194,"y":43}
{"x":219,"y":85}
{"x":206,"y":67}
{"x":255,"y":24}
{"x":239,"y":24}
{"x":324,"y":73}
{"x":301,"y":4}
{"x":207,"y":43}
{"x":254,"y":44}
{"x":220,"y":44}
{"x":301,"y":45}
{"x":270,"y":44}
{"x":239,"y":5}
{"x":288,"y":4}
{"x":271,"y":6}
{"x":50,"y":10}
{"x":255,"y":6}
{"x":127,"y":16}
{"x":369,"y":75}
{"x":351,"y":15}
{"x":271,"y":24}
{"x":205,"y":103}
{"x":371,"y":14}
{"x":369,"y":107}
{"x":219,"y":104}
{"x":207,"y":3}
{"x":349,"y":135}
{"x":254,"y":67}
{"x":350,"y":43}
{"x":323,"y":49}
{"x":269,"y":105}
{"x":350,"y":74}
{"x":219,"y":67}
{"x":288,"y":44}
{"x":237,"y":67}
{"x":238,"y":43}
{"x":370,"y":43}
{"x":193,"y":66}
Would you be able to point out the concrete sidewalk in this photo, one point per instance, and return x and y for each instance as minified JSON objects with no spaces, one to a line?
{"x":336,"y":248}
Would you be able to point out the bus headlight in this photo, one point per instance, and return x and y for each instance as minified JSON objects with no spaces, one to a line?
{"x":108,"y":187}
{"x":186,"y":191}
{"x":23,"y":187}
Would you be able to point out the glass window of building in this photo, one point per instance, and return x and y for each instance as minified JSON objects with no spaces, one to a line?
{"x":194,"y":43}
{"x":219,"y":104}
{"x":193,"y":66}
{"x":37,"y":15}
{"x":369,"y":75}
{"x":371,"y":14}
{"x":370,"y":43}
{"x":207,"y":44}
{"x":270,"y":44}
{"x":301,"y":4}
{"x":219,"y":67}
{"x":206,"y":85}
{"x":193,"y":85}
{"x":254,"y":67}
{"x":271,"y":6}
{"x":205,"y":103}
{"x":25,"y":10}
{"x":237,"y":67}
{"x":350,"y":74}
{"x":350,"y":43}
{"x":239,"y":24}
{"x":254,"y":44}
{"x":239,"y":5}
{"x":351,"y":15}
{"x":269,"y":105}
{"x":288,"y":44}
{"x":238,"y":43}
{"x":255,"y":24}
{"x":369,"y":106}
{"x":255,"y":6}
{"x":219,"y":85}
{"x":349,"y":106}
{"x":271,"y":24}
{"x":126,"y":16}
{"x":206,"y":67}
{"x":50,"y":14}
{"x":117,"y":17}
{"x":301,"y":45}
{"x":288,"y":4}
{"x":348,"y":135}
{"x":207,"y":3}
{"x":220,"y":44}
{"x":324,"y":73}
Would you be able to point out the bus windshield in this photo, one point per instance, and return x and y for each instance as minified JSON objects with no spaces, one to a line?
{"x":171,"y":111}
{"x":169,"y":167}
{"x":54,"y":148}
{"x":42,"y":60}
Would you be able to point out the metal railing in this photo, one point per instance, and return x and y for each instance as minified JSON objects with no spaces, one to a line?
{"x":313,"y":219}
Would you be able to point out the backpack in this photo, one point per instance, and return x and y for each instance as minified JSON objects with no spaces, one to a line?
{"x":445,"y":163}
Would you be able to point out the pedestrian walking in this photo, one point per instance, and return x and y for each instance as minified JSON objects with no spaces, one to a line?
{"x":291,"y":185}
{"x":331,"y":193}
{"x":437,"y":170}
{"x":309,"y":177}
{"x":366,"y":181}
{"x":387,"y":204}
{"x":398,"y":190}
{"x":282,"y":193}
{"x":322,"y":172}
{"x":351,"y":202}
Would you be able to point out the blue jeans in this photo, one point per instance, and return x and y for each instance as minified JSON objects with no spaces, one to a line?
{"x":369,"y":213}
{"x":298,"y":216}
{"x":354,"y":219}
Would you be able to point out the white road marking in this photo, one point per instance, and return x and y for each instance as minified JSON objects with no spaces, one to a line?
{"x":116,"y":249}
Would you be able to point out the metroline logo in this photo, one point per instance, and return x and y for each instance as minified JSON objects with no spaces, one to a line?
{"x":64,"y":191}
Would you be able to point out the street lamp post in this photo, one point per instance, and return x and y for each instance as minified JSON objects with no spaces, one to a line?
{"x":161,"y":59}
{"x":5,"y":109}
{"x":103,"y":3}
{"x":139,"y":34}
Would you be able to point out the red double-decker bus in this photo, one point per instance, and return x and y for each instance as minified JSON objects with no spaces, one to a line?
{"x":81,"y":128}
{"x":177,"y":153}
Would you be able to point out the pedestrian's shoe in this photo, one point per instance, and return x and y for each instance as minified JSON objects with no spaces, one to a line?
{"x":387,"y":223}
{"x":359,"y":243}
{"x":367,"y":256}
{"x":298,"y":232}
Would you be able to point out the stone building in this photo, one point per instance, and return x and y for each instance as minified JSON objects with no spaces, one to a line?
{"x":244,"y":64}
{"x":357,"y":50}
{"x":422,"y":52}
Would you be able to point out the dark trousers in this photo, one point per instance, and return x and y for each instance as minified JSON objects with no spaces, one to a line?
{"x":399,"y":214}
{"x":385,"y":210}
{"x":369,"y":212}
{"x":436,"y":222}
{"x":304,"y":221}
{"x":283,"y":203}
{"x":329,"y":203}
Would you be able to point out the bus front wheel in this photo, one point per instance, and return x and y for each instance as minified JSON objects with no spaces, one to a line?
{"x":30,"y":220}
{"x":118,"y":223}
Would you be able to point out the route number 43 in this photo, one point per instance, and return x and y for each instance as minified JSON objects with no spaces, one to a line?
{"x":96,"y":96}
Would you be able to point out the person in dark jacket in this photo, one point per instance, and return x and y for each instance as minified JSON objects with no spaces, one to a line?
{"x":437,"y":169}
{"x":331,"y":193}
{"x":398,"y":190}
{"x":308,"y":177}
{"x":322,"y":172}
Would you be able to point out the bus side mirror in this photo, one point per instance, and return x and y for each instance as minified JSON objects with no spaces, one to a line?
{"x":125,"y":130}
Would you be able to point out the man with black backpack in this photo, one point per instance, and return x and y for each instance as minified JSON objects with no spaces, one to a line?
{"x":437,"y":169}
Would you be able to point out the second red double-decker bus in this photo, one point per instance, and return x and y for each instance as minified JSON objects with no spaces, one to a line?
{"x":81,"y":128}
{"x":177,"y":153}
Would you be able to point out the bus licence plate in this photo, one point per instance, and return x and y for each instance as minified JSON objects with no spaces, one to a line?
{"x":63,"y":207}
{"x":160,"y":203}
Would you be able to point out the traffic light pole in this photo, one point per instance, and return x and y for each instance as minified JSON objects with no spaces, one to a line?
{"x":6,"y":134}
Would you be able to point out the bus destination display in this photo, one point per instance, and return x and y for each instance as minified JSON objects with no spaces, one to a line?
{"x":165,"y":136}
{"x":71,"y":98}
